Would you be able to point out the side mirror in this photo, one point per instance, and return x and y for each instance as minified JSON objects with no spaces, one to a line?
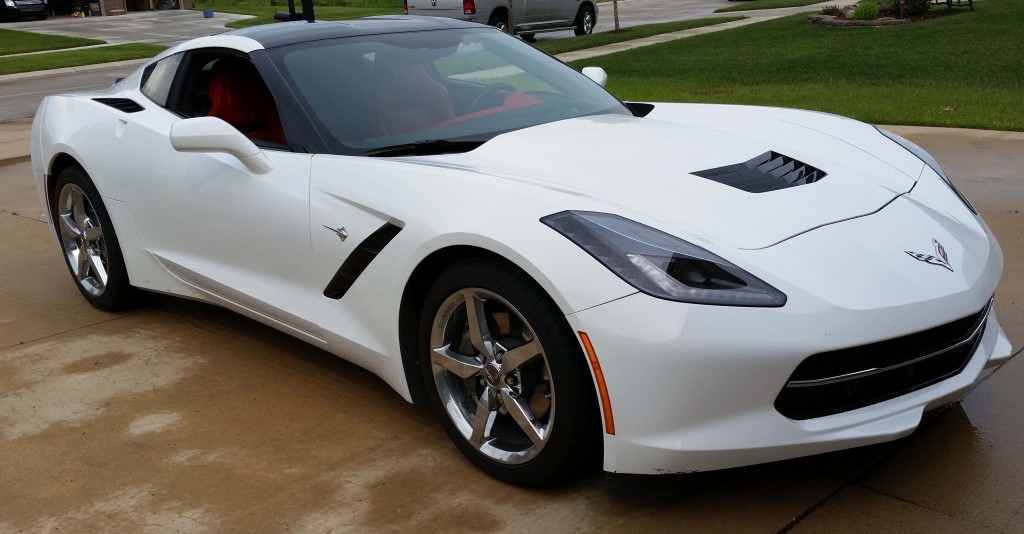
{"x":210,"y":134}
{"x":597,"y":74}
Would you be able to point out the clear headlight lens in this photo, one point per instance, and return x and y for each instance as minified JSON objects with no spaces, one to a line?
{"x":928,"y":160}
{"x":10,"y":3}
{"x":662,"y":265}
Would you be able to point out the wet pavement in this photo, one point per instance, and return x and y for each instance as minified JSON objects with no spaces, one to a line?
{"x":184,"y":417}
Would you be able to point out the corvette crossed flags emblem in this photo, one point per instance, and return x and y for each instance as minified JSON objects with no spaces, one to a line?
{"x":940,"y":258}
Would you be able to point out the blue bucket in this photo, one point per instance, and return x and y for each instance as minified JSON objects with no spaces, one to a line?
{"x":208,"y":14}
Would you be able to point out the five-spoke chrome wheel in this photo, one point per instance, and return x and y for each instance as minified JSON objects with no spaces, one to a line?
{"x":81,"y":236}
{"x":492,"y":376}
{"x":89,"y":242}
{"x":506,"y":374}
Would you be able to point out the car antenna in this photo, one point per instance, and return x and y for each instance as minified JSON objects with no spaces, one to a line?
{"x":306,"y":13}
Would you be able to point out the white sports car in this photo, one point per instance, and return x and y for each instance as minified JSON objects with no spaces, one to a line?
{"x":565,"y":277}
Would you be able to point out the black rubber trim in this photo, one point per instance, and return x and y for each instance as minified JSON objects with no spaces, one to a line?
{"x":359,"y":260}
{"x":126,"y":105}
{"x":639,"y":109}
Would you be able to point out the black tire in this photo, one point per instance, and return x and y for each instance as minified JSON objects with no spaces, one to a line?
{"x":41,"y":16}
{"x":115,"y":292}
{"x":584,"y":20}
{"x":553,"y":388}
{"x":499,"y":20}
{"x":529,"y":37}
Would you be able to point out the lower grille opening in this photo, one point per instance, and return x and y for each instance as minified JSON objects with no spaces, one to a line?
{"x":838,"y":381}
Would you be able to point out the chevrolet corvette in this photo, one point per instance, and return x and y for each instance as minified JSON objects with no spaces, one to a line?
{"x":570,"y":280}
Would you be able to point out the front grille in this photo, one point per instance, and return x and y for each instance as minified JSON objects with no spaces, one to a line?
{"x":841,"y":380}
{"x":126,"y":105}
{"x":768,"y":172}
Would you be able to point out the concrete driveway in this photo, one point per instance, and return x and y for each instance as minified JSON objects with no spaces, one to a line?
{"x":184,"y":417}
{"x":157,"y":27}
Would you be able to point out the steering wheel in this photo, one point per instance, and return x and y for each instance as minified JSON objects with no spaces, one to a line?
{"x":488,"y":91}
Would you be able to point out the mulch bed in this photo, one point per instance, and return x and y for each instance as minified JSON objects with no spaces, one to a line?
{"x":885,"y":18}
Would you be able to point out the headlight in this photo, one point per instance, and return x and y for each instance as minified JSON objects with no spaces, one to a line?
{"x":10,"y":3}
{"x":662,"y":265}
{"x":929,"y":161}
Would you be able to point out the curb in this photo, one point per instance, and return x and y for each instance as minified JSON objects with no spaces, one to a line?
{"x":15,"y":141}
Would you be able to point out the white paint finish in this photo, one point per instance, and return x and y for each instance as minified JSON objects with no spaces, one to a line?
{"x":234,"y":42}
{"x":642,"y":169}
{"x":210,"y":134}
{"x":206,"y":226}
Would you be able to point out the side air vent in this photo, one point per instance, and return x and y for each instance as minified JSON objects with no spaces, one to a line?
{"x":126,"y":105}
{"x":767,"y":172}
{"x":359,"y":260}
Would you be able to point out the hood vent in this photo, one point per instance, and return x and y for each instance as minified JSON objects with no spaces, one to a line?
{"x":767,"y":172}
{"x":126,"y":105}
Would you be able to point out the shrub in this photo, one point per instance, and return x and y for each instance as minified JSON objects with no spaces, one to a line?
{"x":912,"y":7}
{"x":866,"y":10}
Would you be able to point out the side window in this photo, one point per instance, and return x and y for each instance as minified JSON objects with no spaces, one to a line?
{"x":227,"y":85}
{"x":157,"y":79}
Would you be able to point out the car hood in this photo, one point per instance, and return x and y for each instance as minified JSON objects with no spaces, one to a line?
{"x":644,"y":168}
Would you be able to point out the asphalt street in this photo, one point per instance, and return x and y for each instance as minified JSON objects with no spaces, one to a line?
{"x":19,"y":97}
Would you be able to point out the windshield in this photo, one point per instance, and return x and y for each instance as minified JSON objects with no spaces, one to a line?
{"x":369,"y":93}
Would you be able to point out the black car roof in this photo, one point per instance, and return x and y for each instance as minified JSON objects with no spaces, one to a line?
{"x":286,"y":33}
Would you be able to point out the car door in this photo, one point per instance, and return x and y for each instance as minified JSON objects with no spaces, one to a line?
{"x":240,"y":236}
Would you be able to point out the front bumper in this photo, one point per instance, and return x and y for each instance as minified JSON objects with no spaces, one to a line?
{"x":692,"y":387}
{"x":707,"y":403}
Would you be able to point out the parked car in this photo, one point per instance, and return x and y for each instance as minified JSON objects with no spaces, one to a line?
{"x":14,"y":9}
{"x":564,"y":277}
{"x":530,"y":17}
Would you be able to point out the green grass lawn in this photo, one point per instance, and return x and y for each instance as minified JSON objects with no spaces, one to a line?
{"x":74,"y":58}
{"x":17,"y":42}
{"x":330,"y":10}
{"x":634,"y":32}
{"x":770,"y":4}
{"x":965,"y":69}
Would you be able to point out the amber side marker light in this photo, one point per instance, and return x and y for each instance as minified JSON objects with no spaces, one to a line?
{"x":606,"y":403}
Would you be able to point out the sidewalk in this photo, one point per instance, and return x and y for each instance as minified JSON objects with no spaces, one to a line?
{"x":755,"y":16}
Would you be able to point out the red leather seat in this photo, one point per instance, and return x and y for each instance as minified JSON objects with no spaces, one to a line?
{"x":409,"y":100}
{"x":239,"y":97}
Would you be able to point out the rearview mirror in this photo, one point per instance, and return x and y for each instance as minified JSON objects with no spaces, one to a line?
{"x":210,"y":134}
{"x":597,"y":74}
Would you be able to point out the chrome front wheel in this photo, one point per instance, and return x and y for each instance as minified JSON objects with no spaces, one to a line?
{"x":506,"y":375}
{"x":492,"y":376}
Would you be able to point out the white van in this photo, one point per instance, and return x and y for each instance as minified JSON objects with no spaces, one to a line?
{"x":529,"y":16}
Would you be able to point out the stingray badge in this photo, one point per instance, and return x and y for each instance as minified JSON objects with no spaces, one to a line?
{"x":940,"y":258}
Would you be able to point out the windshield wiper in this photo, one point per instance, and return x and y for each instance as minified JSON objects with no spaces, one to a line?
{"x":424,"y":148}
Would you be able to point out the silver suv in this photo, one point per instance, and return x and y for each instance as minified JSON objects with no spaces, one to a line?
{"x":528,"y":16}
